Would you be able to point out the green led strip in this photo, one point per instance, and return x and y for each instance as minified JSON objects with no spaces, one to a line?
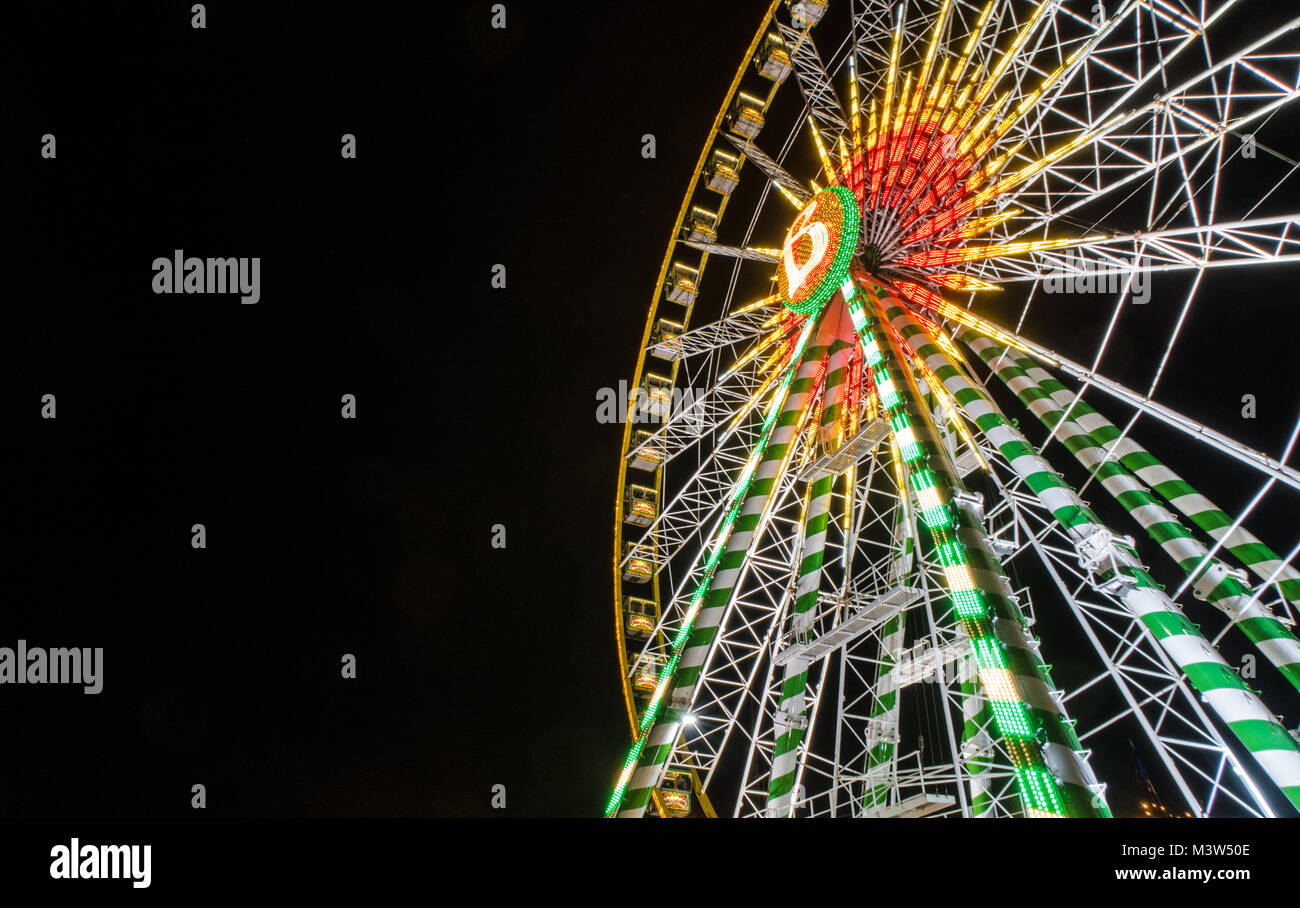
{"x":1038,"y":788}
{"x":737,"y":501}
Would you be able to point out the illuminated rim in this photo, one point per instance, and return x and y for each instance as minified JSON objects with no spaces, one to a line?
{"x":836,"y":211}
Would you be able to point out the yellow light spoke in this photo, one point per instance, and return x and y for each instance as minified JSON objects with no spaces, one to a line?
{"x":943,"y":257}
{"x":827,"y":167}
{"x":936,"y":303}
{"x":962,"y":282}
{"x":976,"y":226}
{"x":758,"y":304}
{"x":788,"y":195}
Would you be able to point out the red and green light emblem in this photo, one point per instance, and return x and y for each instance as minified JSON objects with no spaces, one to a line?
{"x":818,"y":250}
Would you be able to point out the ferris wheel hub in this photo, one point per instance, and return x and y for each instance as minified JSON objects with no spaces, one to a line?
{"x":871,"y":257}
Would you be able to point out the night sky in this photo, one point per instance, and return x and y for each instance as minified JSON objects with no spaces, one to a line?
{"x":476,"y":406}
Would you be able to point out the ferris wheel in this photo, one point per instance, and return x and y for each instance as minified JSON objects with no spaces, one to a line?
{"x":853,"y":472}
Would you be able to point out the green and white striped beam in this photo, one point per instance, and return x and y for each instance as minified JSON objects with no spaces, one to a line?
{"x":977,"y":748}
{"x":723,"y":560}
{"x":791,"y":717}
{"x":1140,"y":594}
{"x":1262,"y":560}
{"x":882,"y":727}
{"x":1215,"y":582}
{"x":1051,"y":770}
{"x":1227,"y":695}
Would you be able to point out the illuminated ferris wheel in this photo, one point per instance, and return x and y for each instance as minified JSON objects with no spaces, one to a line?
{"x":841,"y":536}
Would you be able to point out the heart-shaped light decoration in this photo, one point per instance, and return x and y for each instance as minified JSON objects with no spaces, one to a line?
{"x":818,"y":249}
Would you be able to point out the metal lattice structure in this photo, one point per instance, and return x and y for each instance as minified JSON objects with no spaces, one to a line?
{"x":832,"y":551}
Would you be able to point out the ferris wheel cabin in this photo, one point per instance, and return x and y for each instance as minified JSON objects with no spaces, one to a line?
{"x":746,"y":118}
{"x":675,"y":791}
{"x":806,"y":13}
{"x":641,"y":616}
{"x":646,"y":454}
{"x":723,"y":173}
{"x":681,"y":284}
{"x":666,"y":330}
{"x":772,"y":60}
{"x":701,"y":226}
{"x":639,"y":564}
{"x":640,"y":505}
{"x":656,"y":398}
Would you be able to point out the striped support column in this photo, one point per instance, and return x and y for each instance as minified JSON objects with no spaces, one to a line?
{"x":1250,"y":721}
{"x":1047,"y":397}
{"x":936,"y":407}
{"x":1262,"y":561}
{"x":791,"y":717}
{"x":1051,"y":771}
{"x":976,"y":715}
{"x":976,"y":741}
{"x":1224,"y":691}
{"x":882,"y":727}
{"x":710,"y":600}
{"x":977,"y":746}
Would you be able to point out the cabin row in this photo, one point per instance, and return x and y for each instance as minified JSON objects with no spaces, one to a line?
{"x":745,"y":119}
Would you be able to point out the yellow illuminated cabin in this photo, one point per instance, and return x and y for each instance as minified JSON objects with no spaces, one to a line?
{"x":772,"y":60}
{"x":746,"y":118}
{"x":806,"y":13}
{"x":641,"y":566}
{"x":675,"y":792}
{"x":723,"y":172}
{"x":701,"y":225}
{"x":681,"y":285}
{"x":645,"y":677}
{"x":647,"y":454}
{"x":641,"y":616}
{"x":640,"y":505}
{"x":656,"y":398}
{"x":665,"y":330}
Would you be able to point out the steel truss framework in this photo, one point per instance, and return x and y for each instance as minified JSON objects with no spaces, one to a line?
{"x":854,"y":687}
